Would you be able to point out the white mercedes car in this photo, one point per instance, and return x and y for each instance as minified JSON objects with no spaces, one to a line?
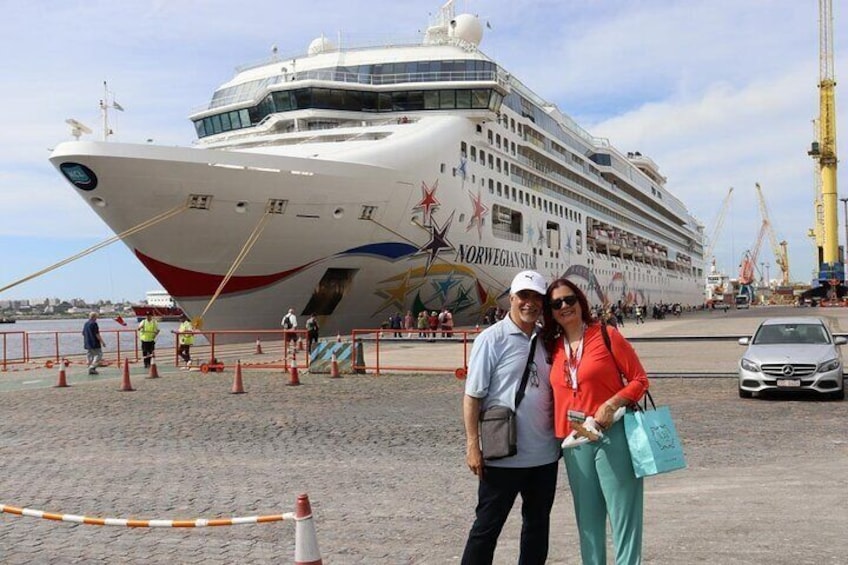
{"x":792,"y":355}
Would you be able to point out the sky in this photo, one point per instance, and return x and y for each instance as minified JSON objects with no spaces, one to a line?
{"x":719,"y":93}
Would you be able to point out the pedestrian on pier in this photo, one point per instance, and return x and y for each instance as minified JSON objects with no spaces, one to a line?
{"x":186,"y":340}
{"x":93,"y":343}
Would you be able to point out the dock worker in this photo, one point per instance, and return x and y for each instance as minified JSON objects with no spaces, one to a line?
{"x":148,"y":329}
{"x":186,"y":338}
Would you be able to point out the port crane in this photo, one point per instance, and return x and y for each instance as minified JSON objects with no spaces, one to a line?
{"x":779,"y":249}
{"x":831,"y":268}
{"x":725,"y":205}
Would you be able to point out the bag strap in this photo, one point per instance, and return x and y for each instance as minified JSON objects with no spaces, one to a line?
{"x":519,"y":394}
{"x":608,"y":343}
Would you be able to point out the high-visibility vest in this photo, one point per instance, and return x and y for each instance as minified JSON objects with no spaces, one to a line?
{"x":186,"y":338}
{"x":147,"y":330}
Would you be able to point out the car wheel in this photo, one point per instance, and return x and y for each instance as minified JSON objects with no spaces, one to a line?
{"x":745,"y":393}
{"x":839,"y":394}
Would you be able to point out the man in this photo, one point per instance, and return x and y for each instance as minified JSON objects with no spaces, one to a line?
{"x":93,"y":343}
{"x":148,"y":329}
{"x":186,"y":338}
{"x":311,"y":332}
{"x":496,"y":366}
{"x":290,"y":323}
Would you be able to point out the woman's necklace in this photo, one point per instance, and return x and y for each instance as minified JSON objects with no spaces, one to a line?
{"x":572,"y":357}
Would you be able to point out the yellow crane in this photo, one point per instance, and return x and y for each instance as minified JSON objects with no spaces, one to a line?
{"x":713,"y":237}
{"x":831,"y":268}
{"x":779,"y":249}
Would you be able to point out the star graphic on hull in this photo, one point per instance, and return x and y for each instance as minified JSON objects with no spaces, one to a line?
{"x":444,"y":286}
{"x":428,"y":201}
{"x":479,"y":211}
{"x":395,"y":297}
{"x":438,"y":241}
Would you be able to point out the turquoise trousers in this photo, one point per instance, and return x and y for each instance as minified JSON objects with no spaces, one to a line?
{"x":603,"y":485}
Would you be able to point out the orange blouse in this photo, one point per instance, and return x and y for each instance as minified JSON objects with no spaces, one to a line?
{"x":597,"y":376}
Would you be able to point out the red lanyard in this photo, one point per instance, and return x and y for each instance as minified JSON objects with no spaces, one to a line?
{"x":572,"y":360}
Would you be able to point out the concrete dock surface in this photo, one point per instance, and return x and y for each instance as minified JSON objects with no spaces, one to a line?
{"x":382,"y":460}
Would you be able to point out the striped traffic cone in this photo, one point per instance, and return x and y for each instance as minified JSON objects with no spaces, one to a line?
{"x":334,"y":368}
{"x":126,"y":385}
{"x":154,"y":372}
{"x":238,"y":385}
{"x":305,"y":542}
{"x":63,"y":381}
{"x":294,"y":380}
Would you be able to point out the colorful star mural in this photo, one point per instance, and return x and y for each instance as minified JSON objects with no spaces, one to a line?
{"x":478,"y":213}
{"x":428,"y":201}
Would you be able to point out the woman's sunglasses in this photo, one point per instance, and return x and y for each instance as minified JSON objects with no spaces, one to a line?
{"x":570,"y":300}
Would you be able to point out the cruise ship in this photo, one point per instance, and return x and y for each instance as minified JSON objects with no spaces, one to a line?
{"x":356,"y":182}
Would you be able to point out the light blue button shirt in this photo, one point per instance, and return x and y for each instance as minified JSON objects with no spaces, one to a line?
{"x":495,"y":368}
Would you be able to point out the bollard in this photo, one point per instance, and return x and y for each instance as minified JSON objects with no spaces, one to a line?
{"x":238,"y":385}
{"x":258,"y":347}
{"x":360,"y":359}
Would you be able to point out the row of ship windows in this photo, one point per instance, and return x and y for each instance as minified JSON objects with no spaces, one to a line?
{"x":352,"y":101}
{"x":433,"y":70}
{"x":504,"y":190}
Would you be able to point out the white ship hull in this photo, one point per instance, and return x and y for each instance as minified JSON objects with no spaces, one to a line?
{"x":387,"y":214}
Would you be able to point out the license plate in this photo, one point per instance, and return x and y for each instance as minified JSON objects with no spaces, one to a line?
{"x":789,"y":382}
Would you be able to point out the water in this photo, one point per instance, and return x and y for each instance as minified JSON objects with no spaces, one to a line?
{"x":43,"y":337}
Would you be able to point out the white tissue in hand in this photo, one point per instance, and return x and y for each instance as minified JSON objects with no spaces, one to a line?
{"x":573,"y":440}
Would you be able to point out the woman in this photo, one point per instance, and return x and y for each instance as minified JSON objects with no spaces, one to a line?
{"x":587,"y":380}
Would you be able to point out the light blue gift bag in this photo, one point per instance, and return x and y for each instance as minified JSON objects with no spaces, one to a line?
{"x":653,"y":441}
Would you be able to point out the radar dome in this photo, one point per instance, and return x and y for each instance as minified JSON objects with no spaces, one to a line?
{"x":320,"y":45}
{"x":468,"y":28}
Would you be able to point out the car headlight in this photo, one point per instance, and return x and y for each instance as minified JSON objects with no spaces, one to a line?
{"x":749,"y":365}
{"x":828,"y":366}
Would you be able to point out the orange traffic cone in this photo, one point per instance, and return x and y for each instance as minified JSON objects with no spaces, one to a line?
{"x":154,"y":372}
{"x":126,"y":386}
{"x":238,"y":386}
{"x":334,"y":368}
{"x":294,"y":381}
{"x":306,"y":550}
{"x":63,"y":382}
{"x":258,"y":347}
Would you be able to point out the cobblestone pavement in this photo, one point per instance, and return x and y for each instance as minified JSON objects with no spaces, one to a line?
{"x":383,"y":463}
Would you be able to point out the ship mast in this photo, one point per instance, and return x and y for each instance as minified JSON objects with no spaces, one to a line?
{"x":105,"y":104}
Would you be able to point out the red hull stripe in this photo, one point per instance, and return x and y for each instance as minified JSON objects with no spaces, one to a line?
{"x":184,"y":283}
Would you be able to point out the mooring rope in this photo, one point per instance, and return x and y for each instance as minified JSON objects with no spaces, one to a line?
{"x":142,"y":226}
{"x":251,"y":241}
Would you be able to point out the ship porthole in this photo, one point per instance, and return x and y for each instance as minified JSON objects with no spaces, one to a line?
{"x":99,"y":202}
{"x":338,"y":213}
{"x":241,"y":207}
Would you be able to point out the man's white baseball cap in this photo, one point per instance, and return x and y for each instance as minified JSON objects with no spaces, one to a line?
{"x":528,"y":280}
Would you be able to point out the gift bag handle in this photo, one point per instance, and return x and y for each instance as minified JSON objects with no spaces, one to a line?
{"x":647,"y":396}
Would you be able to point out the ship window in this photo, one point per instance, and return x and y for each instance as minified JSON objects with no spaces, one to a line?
{"x":431,"y":100}
{"x":369,"y":101}
{"x":302,"y":98}
{"x":490,"y":137}
{"x":463,"y":148}
{"x":384,"y":101}
{"x":235,"y":121}
{"x":491,"y":186}
{"x":463,"y":99}
{"x":225,"y":122}
{"x":506,"y":223}
{"x":480,"y":98}
{"x":198,"y":126}
{"x":447,"y":99}
{"x":498,"y":140}
{"x":216,"y":124}
{"x":491,"y":162}
{"x":498,"y":164}
{"x":514,"y":196}
{"x":578,"y":241}
{"x":500,"y":191}
{"x":473,"y":153}
{"x":442,"y":168}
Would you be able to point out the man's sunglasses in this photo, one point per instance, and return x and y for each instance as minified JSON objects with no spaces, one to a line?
{"x":570,"y":300}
